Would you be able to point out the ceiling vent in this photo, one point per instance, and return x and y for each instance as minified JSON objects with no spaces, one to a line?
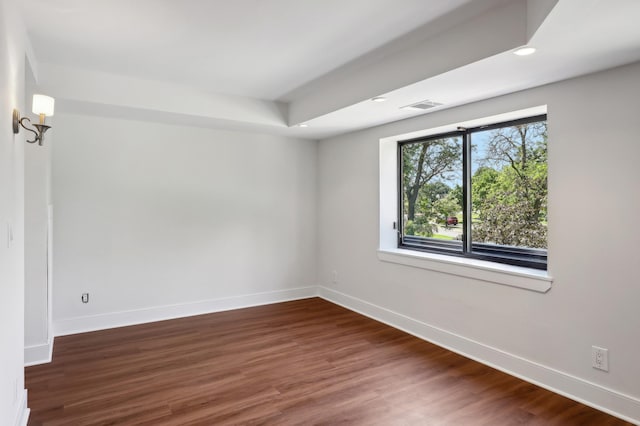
{"x":421,"y":106}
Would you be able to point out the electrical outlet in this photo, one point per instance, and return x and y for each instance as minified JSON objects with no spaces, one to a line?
{"x":334,"y":277}
{"x":600,"y":358}
{"x":85,"y":297}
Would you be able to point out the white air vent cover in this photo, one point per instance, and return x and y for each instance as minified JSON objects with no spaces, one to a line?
{"x":421,"y":106}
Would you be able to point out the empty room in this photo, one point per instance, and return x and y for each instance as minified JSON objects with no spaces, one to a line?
{"x":305,"y":212}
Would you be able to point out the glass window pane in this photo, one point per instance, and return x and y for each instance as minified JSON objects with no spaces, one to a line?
{"x":432,"y":189}
{"x":509,"y":187}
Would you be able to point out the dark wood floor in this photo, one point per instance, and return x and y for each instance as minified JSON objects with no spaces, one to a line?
{"x":304,"y":362}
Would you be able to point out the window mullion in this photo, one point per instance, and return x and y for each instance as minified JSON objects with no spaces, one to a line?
{"x":466,"y":190}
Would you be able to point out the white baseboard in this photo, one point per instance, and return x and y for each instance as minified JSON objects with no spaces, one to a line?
{"x":610,"y":401}
{"x":160,"y":313}
{"x":22,"y":416}
{"x":38,"y":354}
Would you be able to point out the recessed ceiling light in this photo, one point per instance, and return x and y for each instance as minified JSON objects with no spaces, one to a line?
{"x":303,"y":125}
{"x":379,"y":99}
{"x":525,"y":51}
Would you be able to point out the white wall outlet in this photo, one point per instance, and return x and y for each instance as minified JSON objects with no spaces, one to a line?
{"x":85,"y":297}
{"x":334,"y":277}
{"x":600,"y":358}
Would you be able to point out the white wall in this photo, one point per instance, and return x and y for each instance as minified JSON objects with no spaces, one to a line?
{"x":150,"y":215}
{"x":37,"y":193}
{"x":12,"y":62}
{"x":593,"y":246}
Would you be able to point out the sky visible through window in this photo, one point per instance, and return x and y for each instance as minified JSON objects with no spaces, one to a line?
{"x":479,"y":147}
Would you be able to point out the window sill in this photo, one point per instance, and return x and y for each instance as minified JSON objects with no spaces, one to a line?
{"x":513,"y":276}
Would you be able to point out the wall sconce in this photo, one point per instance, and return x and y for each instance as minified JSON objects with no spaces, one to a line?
{"x":43,"y":107}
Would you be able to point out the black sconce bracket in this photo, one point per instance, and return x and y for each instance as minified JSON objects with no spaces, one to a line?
{"x":38,"y":135}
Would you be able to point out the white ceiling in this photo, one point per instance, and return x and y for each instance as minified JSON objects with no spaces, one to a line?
{"x":294,"y":50}
{"x":255,"y":48}
{"x":572,"y":41}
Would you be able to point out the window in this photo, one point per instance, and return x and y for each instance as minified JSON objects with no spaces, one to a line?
{"x":479,"y":193}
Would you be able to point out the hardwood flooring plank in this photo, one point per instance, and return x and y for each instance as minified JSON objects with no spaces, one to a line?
{"x":307,"y":362}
